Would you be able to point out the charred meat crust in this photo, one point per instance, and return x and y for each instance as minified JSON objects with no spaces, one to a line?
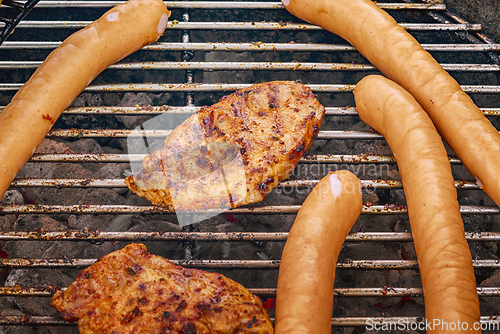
{"x":270,"y":125}
{"x":132,"y":291}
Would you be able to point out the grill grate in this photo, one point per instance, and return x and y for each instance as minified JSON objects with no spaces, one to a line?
{"x":16,"y":12}
{"x":189,"y":67}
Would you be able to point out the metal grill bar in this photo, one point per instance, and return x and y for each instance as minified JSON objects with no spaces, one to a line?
{"x":268,"y":210}
{"x":329,"y":111}
{"x":231,"y":66}
{"x":336,"y":322}
{"x":176,"y":25}
{"x":82,"y":133}
{"x":306,"y":159}
{"x":158,"y":87}
{"x":439,"y":18}
{"x":225,"y":5}
{"x":100,"y":236}
{"x":233,"y":264}
{"x":296,"y":184}
{"x":14,"y":16}
{"x":100,"y":133}
{"x":255,"y":46}
{"x":189,"y":5}
{"x":19,"y":291}
{"x":25,"y":320}
{"x":156,"y":110}
{"x":103,"y":133}
{"x":180,"y":87}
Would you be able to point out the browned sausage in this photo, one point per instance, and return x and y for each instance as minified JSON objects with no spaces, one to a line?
{"x":443,"y":254}
{"x":307,"y":270}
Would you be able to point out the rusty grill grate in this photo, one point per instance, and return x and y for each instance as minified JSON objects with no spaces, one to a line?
{"x":187,"y":68}
{"x":13,"y":15}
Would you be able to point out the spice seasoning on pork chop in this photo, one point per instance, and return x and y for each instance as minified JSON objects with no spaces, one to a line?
{"x":233,"y":152}
{"x":132,"y":291}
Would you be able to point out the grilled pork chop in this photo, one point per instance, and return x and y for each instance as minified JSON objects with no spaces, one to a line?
{"x":233,"y":152}
{"x":131,"y":291}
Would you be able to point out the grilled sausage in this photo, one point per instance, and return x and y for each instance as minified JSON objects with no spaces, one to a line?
{"x":443,"y":254}
{"x":378,"y":37}
{"x":304,"y":299}
{"x":64,"y":74}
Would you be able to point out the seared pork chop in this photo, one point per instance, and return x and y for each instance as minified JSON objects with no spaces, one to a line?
{"x":131,"y":291}
{"x":233,"y":152}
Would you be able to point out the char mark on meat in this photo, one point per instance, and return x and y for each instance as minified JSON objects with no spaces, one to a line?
{"x":231,"y":150}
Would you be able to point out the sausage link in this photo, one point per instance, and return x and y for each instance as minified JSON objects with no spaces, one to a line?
{"x":444,"y":258}
{"x":65,"y":73}
{"x":307,"y":270}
